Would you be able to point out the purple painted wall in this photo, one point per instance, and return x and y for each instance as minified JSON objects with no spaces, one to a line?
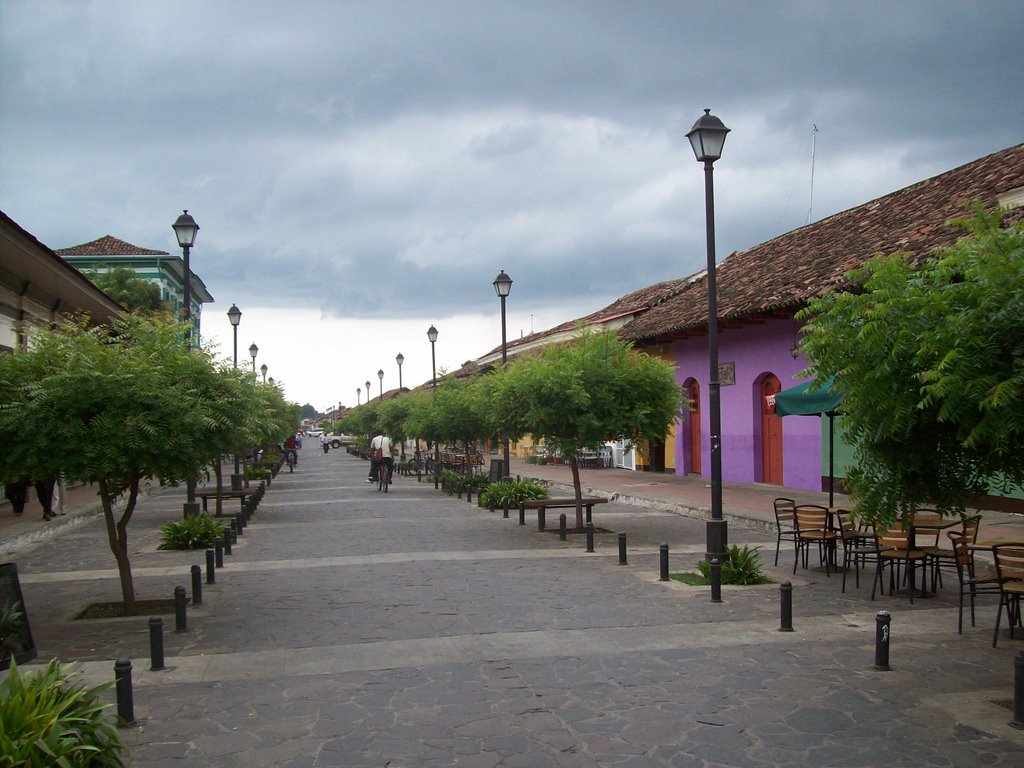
{"x":756,"y":350}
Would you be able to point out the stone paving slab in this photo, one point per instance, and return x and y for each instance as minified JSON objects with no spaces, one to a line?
{"x":352,"y":628}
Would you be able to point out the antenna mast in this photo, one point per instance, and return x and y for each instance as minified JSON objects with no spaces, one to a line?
{"x":814,"y":137}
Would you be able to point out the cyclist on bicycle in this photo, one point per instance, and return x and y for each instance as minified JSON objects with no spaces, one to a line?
{"x":291,"y":447}
{"x":380,"y":453}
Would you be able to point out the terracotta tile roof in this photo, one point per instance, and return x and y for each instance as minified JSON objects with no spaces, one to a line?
{"x":783,"y":274}
{"x":108,"y":246}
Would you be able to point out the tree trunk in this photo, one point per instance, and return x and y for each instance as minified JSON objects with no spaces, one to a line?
{"x":117,"y":536}
{"x":575,"y":467}
{"x":219,"y":471}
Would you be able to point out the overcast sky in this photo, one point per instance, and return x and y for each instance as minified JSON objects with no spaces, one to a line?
{"x":362,"y":170}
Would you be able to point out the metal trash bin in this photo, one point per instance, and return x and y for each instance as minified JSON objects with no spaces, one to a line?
{"x":15,"y":634}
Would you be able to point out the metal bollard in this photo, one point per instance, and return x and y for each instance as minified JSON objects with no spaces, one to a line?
{"x":786,"y":607}
{"x":561,"y":527}
{"x":622,"y":549}
{"x":123,"y":678}
{"x":218,"y":551}
{"x":663,"y":558}
{"x":233,"y":530}
{"x":491,"y":503}
{"x":197,"y":585}
{"x":504,"y":507}
{"x":882,"y":619}
{"x":459,"y":487}
{"x":716,"y":581}
{"x":541,"y":523}
{"x":180,"y":619}
{"x":590,"y":537}
{"x":1018,"y":690}
{"x":522,"y":513}
{"x":211,"y":567}
{"x":469,"y":494}
{"x":227,"y":541}
{"x":156,"y":643}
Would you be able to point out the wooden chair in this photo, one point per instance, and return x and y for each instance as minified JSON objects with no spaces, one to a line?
{"x":859,"y":546}
{"x":785,"y":523}
{"x":894,"y":550}
{"x":940,"y":558}
{"x":812,"y":527}
{"x":972,"y":582}
{"x":1009,"y":560}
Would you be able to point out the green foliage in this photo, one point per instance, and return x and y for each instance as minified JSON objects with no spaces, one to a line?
{"x":515,"y":491}
{"x":45,"y":722}
{"x":258,"y":473}
{"x":13,"y":638}
{"x":135,"y":293}
{"x":741,"y":566}
{"x":309,"y":412}
{"x":930,"y":363}
{"x":192,"y":532}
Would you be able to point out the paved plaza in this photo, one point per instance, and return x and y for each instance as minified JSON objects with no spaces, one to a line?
{"x":354,"y":628}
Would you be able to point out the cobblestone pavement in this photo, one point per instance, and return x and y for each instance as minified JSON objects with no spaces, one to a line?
{"x":353,"y":628}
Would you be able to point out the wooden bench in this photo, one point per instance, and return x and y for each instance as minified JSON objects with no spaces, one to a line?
{"x":227,"y":493}
{"x":542,"y":505}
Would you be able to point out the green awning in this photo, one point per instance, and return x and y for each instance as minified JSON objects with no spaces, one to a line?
{"x":808,"y":399}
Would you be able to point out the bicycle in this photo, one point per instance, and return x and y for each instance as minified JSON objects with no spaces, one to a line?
{"x":291,"y":459}
{"x":382,"y":473}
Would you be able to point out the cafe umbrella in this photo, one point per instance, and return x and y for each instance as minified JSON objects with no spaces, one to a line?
{"x":813,"y":398}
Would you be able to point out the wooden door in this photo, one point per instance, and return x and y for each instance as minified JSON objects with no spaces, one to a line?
{"x":693,"y":392}
{"x":771,"y":434}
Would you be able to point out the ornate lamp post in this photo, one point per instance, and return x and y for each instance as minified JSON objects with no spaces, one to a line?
{"x":185,"y":230}
{"x":235,"y":317}
{"x":399,"y":358}
{"x":380,"y":376}
{"x":263,"y":370}
{"x":253,"y":351}
{"x":432,"y":335}
{"x":502,"y":286}
{"x":359,"y":392}
{"x":707,"y":137}
{"x":368,"y":395}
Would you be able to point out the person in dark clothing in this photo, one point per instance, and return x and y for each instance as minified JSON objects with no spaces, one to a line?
{"x":44,"y":492}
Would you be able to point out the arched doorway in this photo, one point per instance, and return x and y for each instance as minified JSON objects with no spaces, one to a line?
{"x":693,"y":432}
{"x":771,"y":432}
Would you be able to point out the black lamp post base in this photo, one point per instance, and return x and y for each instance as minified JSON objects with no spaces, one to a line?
{"x":717,"y":540}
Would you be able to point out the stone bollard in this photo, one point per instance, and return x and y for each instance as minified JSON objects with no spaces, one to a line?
{"x":211,"y":567}
{"x":125,"y":705}
{"x":663,"y":562}
{"x":786,"y":607}
{"x":590,"y":537}
{"x":882,"y":620}
{"x":197,"y":584}
{"x":561,"y":527}
{"x":622,"y":549}
{"x":156,"y":643}
{"x":716,"y":581}
{"x":1018,"y":690}
{"x":180,"y":619}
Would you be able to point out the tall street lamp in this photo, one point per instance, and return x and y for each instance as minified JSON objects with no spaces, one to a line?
{"x":707,"y":137}
{"x":432,"y":335}
{"x":368,"y":395}
{"x":399,"y":358}
{"x":235,"y":317}
{"x":502,"y":286}
{"x":185,"y":230}
{"x":253,"y":351}
{"x":359,"y":393}
{"x":263,"y":370}
{"x":380,"y":377}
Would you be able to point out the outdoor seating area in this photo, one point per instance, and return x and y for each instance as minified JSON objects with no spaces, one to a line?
{"x":909,"y":559}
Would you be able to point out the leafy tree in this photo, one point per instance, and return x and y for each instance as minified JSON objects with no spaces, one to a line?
{"x":930,"y":363}
{"x":115,"y":406}
{"x":309,"y":412}
{"x":454,"y":412}
{"x":135,"y":293}
{"x":579,"y":395}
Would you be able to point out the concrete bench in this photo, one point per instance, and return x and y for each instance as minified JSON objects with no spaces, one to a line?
{"x":542,"y":505}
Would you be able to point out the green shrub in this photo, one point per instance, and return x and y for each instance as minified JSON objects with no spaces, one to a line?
{"x":46,"y":722}
{"x":192,"y":532}
{"x":515,"y":490}
{"x":13,"y":632}
{"x":542,"y":460}
{"x":741,"y":566}
{"x":258,"y":473}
